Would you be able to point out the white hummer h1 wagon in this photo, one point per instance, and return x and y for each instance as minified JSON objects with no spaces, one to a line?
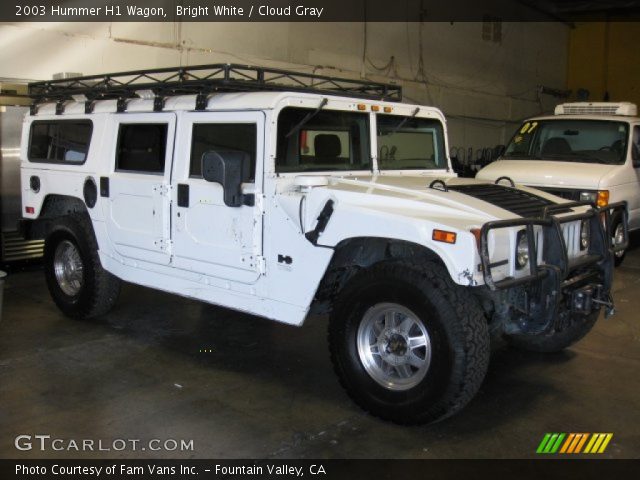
{"x":283,"y":194}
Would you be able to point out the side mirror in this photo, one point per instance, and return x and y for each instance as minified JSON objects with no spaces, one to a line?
{"x":635,"y":155}
{"x":230,"y":169}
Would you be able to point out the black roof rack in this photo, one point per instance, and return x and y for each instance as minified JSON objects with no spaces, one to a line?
{"x":203,"y":80}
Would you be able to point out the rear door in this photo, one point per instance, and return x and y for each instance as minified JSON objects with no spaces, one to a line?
{"x":138,"y":216}
{"x":208,"y":236}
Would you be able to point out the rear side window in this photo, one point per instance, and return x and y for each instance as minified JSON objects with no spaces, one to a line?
{"x":238,"y":137}
{"x":60,"y":141}
{"x":142,"y":147}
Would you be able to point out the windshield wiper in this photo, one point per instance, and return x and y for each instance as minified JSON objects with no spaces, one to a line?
{"x":404,"y":120}
{"x":308,"y":117}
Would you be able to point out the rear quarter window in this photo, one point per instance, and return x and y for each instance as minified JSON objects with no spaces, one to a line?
{"x":59,"y":141}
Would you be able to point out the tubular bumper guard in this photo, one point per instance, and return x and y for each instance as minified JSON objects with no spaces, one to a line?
{"x":554,"y":261}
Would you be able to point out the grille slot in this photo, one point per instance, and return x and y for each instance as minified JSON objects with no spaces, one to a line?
{"x":513,"y":200}
{"x":566,"y":193}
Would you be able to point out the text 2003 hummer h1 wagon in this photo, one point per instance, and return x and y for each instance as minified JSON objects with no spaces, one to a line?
{"x":280,"y":194}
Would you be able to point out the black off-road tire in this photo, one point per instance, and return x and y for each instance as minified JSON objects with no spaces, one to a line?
{"x":456,"y":326}
{"x":100,"y":289}
{"x":557,"y":340}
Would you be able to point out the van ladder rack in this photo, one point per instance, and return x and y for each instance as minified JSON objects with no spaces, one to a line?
{"x":201,"y":80}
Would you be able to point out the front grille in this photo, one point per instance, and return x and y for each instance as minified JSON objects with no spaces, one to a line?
{"x":513,"y":200}
{"x":567,"y":193}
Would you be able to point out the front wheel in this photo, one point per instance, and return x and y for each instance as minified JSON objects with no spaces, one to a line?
{"x":407,"y":343}
{"x":617,"y":237}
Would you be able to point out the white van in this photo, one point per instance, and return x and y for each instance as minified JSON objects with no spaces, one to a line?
{"x":585,"y":152}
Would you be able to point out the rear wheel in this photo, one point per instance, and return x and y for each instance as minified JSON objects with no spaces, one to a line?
{"x":407,"y":343}
{"x":78,"y":284}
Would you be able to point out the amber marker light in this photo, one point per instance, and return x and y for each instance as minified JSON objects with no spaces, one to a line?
{"x":375,"y":108}
{"x":388,"y":109}
{"x":476,"y":233}
{"x":444,"y":236}
{"x":603,"y":198}
{"x":362,"y":106}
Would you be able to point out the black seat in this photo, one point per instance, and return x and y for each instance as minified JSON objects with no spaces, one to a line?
{"x":556,"y":146}
{"x":328,"y":148}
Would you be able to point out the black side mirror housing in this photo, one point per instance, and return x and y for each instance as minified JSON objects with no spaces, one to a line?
{"x":635,"y":155}
{"x":230,"y":169}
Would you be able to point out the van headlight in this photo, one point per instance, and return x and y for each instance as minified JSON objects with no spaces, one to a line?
{"x":522,"y":250}
{"x":590,"y":197}
{"x":585,"y":234}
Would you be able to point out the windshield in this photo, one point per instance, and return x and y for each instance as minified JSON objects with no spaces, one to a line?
{"x":410,"y":143}
{"x":586,"y":141}
{"x":329,"y":140}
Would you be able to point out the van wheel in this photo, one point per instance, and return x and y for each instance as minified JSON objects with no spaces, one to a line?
{"x":408,"y":344}
{"x":557,"y":340}
{"x":78,"y":284}
{"x":617,"y":236}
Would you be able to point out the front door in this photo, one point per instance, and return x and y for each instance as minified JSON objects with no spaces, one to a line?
{"x":138,"y":210}
{"x":210,"y":237}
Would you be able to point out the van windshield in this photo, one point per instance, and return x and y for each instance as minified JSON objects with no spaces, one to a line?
{"x":583,"y":141}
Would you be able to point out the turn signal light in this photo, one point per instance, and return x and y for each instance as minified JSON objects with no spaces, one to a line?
{"x":444,"y":236}
{"x":476,"y":234}
{"x":29,"y":209}
{"x":603,"y":198}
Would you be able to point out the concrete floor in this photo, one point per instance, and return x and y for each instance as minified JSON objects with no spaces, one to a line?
{"x":268,"y":391}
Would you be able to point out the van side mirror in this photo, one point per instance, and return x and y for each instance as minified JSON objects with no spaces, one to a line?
{"x":635,"y":155}
{"x":230,"y":169}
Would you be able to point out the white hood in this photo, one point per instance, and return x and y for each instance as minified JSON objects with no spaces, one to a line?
{"x":547,"y":173}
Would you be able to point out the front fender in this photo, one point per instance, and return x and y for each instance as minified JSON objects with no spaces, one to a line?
{"x":349,"y":221}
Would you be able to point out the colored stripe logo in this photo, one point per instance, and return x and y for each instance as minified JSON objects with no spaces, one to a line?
{"x":574,"y":443}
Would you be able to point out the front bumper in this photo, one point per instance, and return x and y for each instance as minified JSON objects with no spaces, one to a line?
{"x":553,"y":282}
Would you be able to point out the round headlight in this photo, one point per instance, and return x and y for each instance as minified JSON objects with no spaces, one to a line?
{"x":584,"y":235}
{"x":522,"y":250}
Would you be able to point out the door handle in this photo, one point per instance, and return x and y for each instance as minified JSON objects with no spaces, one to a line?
{"x":183,"y":195}
{"x":104,"y":187}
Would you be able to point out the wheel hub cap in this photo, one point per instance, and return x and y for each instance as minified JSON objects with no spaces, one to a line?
{"x":618,"y":238}
{"x":393,"y":346}
{"x":68,"y":268}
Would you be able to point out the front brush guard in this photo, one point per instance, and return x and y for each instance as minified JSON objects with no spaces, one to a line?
{"x":555,"y":271}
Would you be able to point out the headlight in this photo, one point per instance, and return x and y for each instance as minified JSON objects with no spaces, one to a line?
{"x":585,"y":234}
{"x":590,"y":197}
{"x":522,"y":250}
{"x":599,"y":198}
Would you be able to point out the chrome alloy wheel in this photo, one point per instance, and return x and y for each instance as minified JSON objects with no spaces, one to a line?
{"x":618,"y":238}
{"x":67,"y":266}
{"x":394,"y":346}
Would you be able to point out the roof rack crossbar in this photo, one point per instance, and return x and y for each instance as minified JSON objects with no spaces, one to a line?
{"x":206,"y":79}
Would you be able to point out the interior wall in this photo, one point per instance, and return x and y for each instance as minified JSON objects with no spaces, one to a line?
{"x":482,"y":85}
{"x":604,"y":59}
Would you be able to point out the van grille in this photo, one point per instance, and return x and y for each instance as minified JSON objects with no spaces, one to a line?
{"x":513,"y":200}
{"x":566,"y":193}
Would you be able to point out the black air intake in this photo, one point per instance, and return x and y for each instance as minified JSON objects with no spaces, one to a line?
{"x":515,"y":201}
